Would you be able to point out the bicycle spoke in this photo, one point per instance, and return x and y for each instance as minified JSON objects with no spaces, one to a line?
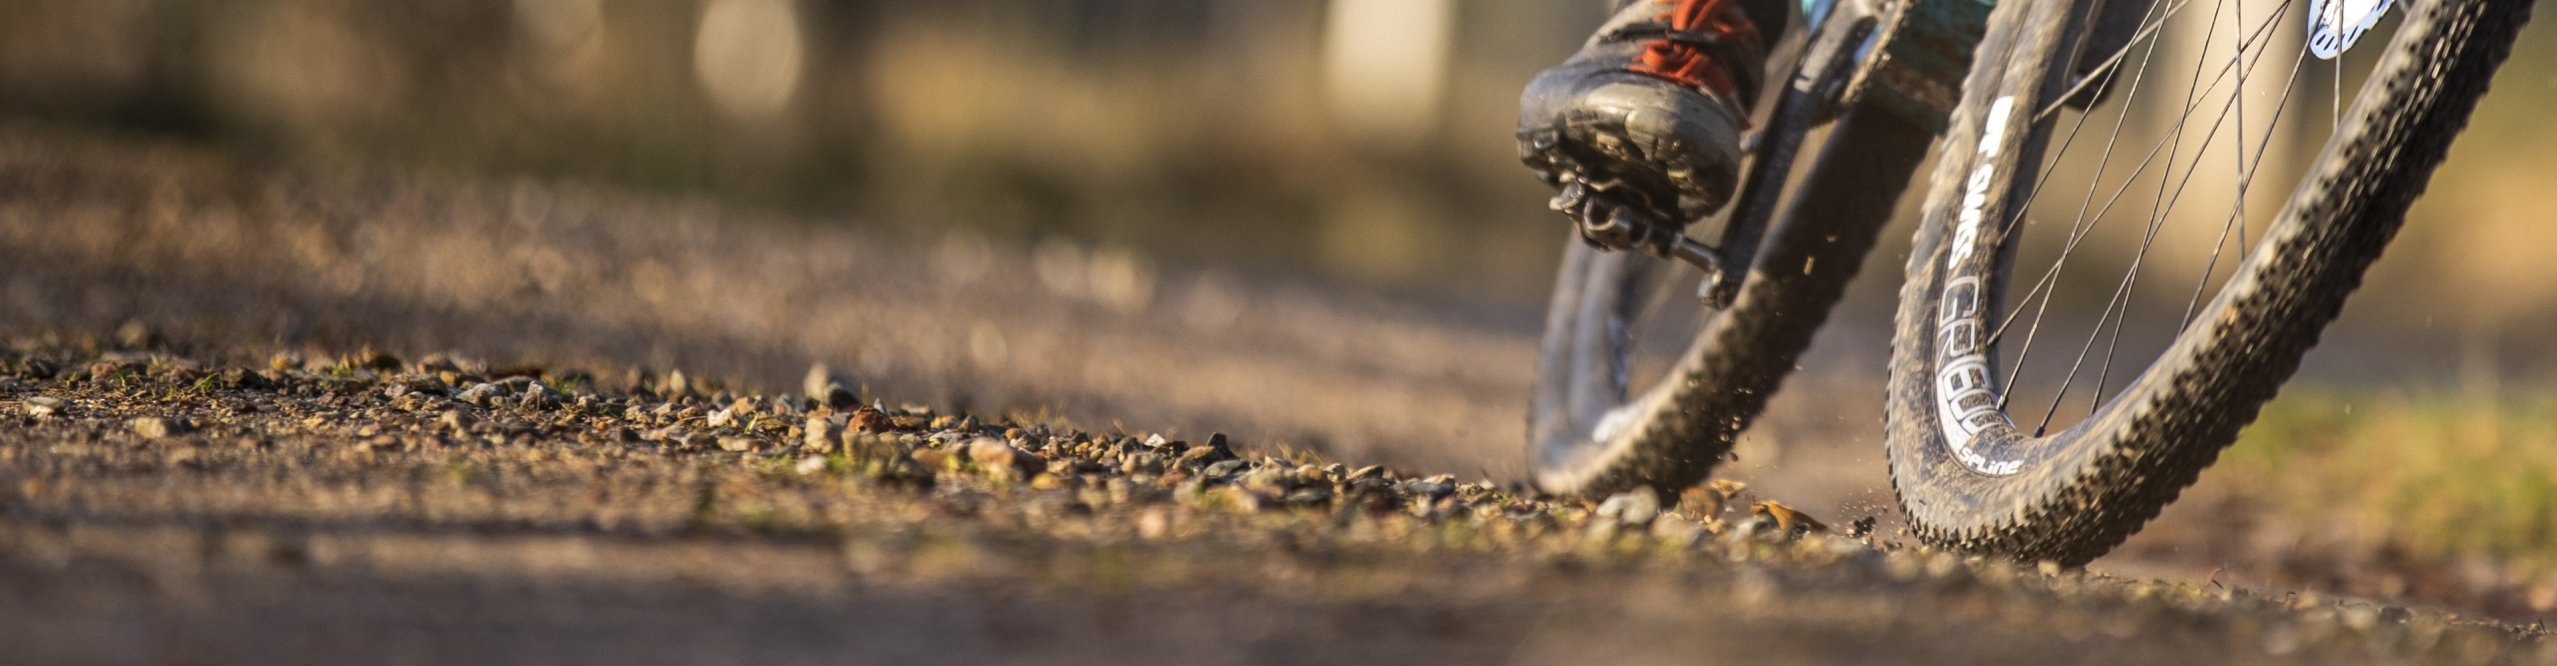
{"x":2248,"y":54}
{"x":2147,"y":30}
{"x":2247,"y":174}
{"x":2008,"y":229}
{"x":2159,"y":207}
{"x":2190,"y":306}
{"x":2077,"y":234}
{"x":2107,"y":314}
{"x":2102,"y":83}
{"x":2078,"y":226}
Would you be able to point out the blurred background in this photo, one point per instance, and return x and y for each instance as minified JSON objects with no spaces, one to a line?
{"x":1364,"y":140}
{"x":1196,"y":172}
{"x":1361,"y":140}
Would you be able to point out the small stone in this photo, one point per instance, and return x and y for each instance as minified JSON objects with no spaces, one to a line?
{"x":537,"y":396}
{"x":1708,"y":501}
{"x":1678,"y":531}
{"x":723,"y":417}
{"x":1244,"y":501}
{"x":458,"y":421}
{"x":736,"y":444}
{"x":153,"y":427}
{"x":41,"y":406}
{"x":1265,"y":479}
{"x":935,"y":459}
{"x":1225,"y":468}
{"x":482,"y":394}
{"x":1309,"y":496}
{"x":1429,"y":488}
{"x":1632,"y":508}
{"x":864,"y":446}
{"x":1213,"y":450}
{"x":1156,"y":441}
{"x":821,"y":433}
{"x":990,"y":453}
{"x":869,"y":419}
{"x":1146,"y":462}
{"x":1786,"y":518}
{"x":810,"y":465}
{"x":677,"y":384}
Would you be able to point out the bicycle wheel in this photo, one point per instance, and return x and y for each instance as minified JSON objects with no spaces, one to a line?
{"x":1589,"y":435}
{"x":2009,"y":431}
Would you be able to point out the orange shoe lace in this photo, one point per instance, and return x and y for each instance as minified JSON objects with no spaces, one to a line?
{"x":1681,"y":60}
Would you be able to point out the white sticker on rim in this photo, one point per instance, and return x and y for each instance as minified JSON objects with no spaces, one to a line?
{"x":2333,"y":25}
{"x":1966,"y":403}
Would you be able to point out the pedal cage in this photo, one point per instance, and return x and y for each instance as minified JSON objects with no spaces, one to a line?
{"x":1612,"y":217}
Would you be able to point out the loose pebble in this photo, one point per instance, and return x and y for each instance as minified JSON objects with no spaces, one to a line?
{"x":154,"y":427}
{"x":995,"y":454}
{"x":1632,"y":508}
{"x":483,"y":394}
{"x":41,"y":406}
{"x":821,"y":433}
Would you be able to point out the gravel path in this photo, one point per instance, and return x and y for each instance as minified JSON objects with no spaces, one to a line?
{"x":205,"y":459}
{"x":156,"y":508}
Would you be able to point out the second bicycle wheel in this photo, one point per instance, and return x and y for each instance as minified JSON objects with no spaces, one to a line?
{"x":2080,"y":335}
{"x":1606,"y":417}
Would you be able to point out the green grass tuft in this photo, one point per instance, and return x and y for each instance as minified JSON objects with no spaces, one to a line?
{"x":2436,"y":473}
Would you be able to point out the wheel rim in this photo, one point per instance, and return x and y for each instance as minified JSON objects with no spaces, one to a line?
{"x":2114,"y":245}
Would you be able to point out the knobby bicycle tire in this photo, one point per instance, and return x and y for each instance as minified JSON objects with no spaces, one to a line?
{"x":2078,"y":493}
{"x":1687,"y":423}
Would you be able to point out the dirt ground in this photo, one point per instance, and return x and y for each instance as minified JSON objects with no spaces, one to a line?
{"x":272,"y":416}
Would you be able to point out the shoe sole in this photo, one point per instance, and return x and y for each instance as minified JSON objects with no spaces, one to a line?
{"x":1625,"y":136}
